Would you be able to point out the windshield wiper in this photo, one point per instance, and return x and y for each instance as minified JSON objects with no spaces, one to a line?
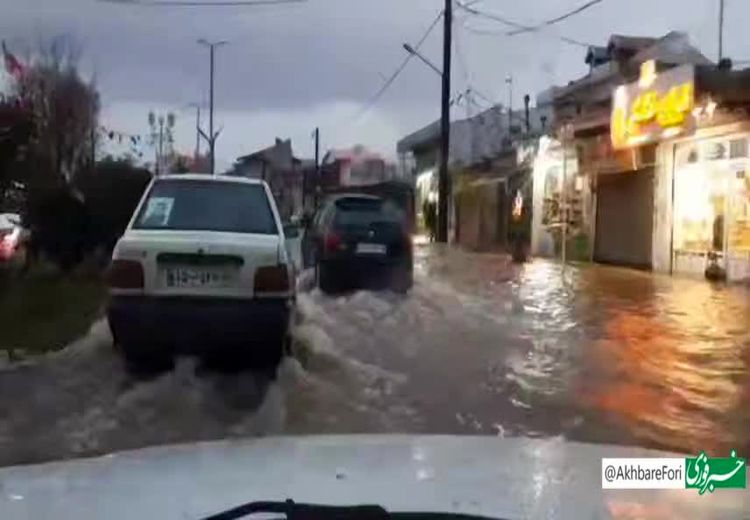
{"x":294,"y":511}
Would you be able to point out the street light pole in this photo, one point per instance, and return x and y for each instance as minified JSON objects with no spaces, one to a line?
{"x":211,"y":135}
{"x":445,"y":125}
{"x":212,"y":144}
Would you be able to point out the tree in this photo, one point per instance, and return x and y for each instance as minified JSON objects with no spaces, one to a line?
{"x":181,"y":164}
{"x":189,"y":164}
{"x":15,"y":133}
{"x":112,"y":191}
{"x":63,"y":112}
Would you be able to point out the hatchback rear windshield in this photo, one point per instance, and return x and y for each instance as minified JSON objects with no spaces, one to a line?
{"x":196,"y":205}
{"x":362,"y":212}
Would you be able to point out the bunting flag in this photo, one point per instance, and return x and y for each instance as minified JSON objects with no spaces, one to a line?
{"x":114,"y":135}
{"x":12,"y":66}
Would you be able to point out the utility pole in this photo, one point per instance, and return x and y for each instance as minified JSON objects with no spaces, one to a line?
{"x":197,"y":132}
{"x":445,"y":125}
{"x":316,"y":186}
{"x":211,"y":138}
{"x":721,"y":30}
{"x":212,"y":143}
{"x":161,"y":145}
{"x":510,"y":102}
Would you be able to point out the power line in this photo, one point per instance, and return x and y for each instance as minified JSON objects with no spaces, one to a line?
{"x":560,"y":18}
{"x":375,"y":98}
{"x":515,"y":25}
{"x":461,"y":58}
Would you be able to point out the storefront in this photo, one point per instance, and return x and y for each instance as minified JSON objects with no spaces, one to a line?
{"x":644,"y":113}
{"x":700,"y":206}
{"x":711,"y":208}
{"x":557,"y":184}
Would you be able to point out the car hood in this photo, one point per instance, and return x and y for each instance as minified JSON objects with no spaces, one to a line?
{"x":504,"y":478}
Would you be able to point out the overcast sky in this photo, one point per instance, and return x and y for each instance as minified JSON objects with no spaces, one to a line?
{"x":290,"y":68}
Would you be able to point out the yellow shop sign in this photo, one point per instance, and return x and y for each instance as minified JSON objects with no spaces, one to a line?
{"x":657,"y":105}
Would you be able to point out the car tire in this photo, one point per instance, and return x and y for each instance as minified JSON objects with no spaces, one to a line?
{"x":403,"y":280}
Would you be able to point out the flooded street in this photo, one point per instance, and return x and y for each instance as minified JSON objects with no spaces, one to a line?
{"x":595,"y":354}
{"x":479,"y":346}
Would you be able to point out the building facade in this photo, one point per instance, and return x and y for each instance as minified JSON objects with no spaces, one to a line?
{"x":598,"y":196}
{"x":488,"y":172}
{"x":702,"y":182}
{"x":356,"y":166}
{"x":649,"y":163}
{"x":281,"y":170}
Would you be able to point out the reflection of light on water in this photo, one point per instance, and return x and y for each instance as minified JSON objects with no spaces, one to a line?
{"x":667,"y":371}
{"x":420,"y":240}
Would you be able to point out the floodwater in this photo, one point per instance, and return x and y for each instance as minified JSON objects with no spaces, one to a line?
{"x":479,"y":346}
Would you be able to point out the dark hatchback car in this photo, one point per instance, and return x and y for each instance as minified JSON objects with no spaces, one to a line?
{"x":360,"y":241}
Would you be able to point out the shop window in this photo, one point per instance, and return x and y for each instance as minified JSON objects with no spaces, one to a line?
{"x":714,"y":151}
{"x":737,"y":148}
{"x":739,"y":213}
{"x":686,"y":154}
{"x":712,"y":199}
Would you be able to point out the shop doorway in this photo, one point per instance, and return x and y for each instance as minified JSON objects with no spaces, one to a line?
{"x":624,"y":218}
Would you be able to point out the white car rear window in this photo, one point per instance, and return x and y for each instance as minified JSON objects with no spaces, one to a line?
{"x":196,"y":205}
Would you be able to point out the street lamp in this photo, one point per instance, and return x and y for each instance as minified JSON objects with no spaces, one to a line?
{"x":414,"y":52}
{"x":211,"y":138}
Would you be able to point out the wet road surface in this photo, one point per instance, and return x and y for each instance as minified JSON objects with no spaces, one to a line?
{"x":480,"y":346}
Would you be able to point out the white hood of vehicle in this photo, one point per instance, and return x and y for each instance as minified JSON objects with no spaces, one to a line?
{"x":504,"y":478}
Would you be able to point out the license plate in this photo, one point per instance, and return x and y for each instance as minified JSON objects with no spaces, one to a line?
{"x":190,"y":277}
{"x":370,"y":249}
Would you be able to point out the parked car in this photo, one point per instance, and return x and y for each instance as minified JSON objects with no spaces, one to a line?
{"x":358,"y":241}
{"x":13,"y":239}
{"x":202,"y":269}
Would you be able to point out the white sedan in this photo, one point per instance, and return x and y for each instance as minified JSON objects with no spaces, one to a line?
{"x":202,"y":269}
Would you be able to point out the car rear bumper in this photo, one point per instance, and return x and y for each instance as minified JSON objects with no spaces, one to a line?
{"x":368,"y":271}
{"x":197,"y":325}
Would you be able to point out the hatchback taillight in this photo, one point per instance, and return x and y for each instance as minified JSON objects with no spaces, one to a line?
{"x":333,"y":242}
{"x":125,"y":274}
{"x":271,"y":279}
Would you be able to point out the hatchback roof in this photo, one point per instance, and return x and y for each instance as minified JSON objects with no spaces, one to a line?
{"x":208,"y":177}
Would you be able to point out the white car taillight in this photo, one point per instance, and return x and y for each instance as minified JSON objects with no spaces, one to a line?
{"x":271,"y":279}
{"x":125,"y":274}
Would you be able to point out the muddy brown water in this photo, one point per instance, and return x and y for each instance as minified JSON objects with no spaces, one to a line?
{"x":479,"y":346}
